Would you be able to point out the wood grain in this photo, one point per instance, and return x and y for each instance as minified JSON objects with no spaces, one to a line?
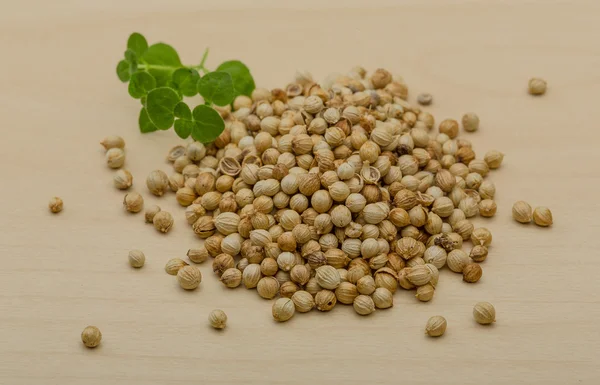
{"x":59,"y":97}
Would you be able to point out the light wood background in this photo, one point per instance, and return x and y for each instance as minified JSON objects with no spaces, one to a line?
{"x":59,"y":96}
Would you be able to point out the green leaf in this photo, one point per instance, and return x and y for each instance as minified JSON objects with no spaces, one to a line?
{"x":140,"y":84}
{"x":133,"y":67}
{"x":137,"y":43}
{"x":186,"y":79}
{"x":208,"y":124}
{"x":185,"y":122}
{"x":182,"y":111}
{"x":161,"y":60}
{"x":123,"y":71}
{"x":160,"y":104}
{"x":162,"y":54}
{"x":183,"y":128}
{"x":243,"y":82}
{"x":217,"y":88}
{"x":131,"y":56}
{"x":145,"y":123}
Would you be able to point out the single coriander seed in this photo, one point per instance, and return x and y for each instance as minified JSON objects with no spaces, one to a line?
{"x":91,"y":336}
{"x":198,"y":255}
{"x":479,"y":253}
{"x":542,"y":216}
{"x":436,"y":326}
{"x":115,"y":158}
{"x":133,"y":202}
{"x":382,"y":298}
{"x":174,"y":264}
{"x":189,"y":277}
{"x":123,"y":179}
{"x":217,"y":319}
{"x":325,"y":300}
{"x":283,"y":309}
{"x":522,"y":212}
{"x":472,"y":273}
{"x":113,"y":141}
{"x":487,"y":208}
{"x":157,"y":182}
{"x":424,"y":99}
{"x":470,"y":122}
{"x":232,"y":277}
{"x":303,"y":301}
{"x":163,"y":221}
{"x":484,"y":313}
{"x":481,"y":236}
{"x":55,"y":205}
{"x":363,"y":305}
{"x":425,"y":293}
{"x":537,"y":86}
{"x":136,"y":258}
{"x":493,"y":159}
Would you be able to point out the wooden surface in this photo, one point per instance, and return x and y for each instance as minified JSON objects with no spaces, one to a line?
{"x":59,"y":97}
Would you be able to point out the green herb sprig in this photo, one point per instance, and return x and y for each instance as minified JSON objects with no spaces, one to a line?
{"x":157,"y":77}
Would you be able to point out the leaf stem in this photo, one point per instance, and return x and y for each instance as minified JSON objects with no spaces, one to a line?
{"x":201,"y":65}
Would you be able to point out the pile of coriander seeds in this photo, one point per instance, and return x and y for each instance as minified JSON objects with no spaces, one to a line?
{"x":335,"y":193}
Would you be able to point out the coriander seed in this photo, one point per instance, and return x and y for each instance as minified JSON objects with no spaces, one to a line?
{"x":231,"y":277}
{"x":157,"y":182}
{"x":346,"y":292}
{"x":424,"y":99}
{"x":487,"y":208}
{"x":449,"y":127}
{"x":251,"y":275}
{"x":542,"y":216}
{"x":481,"y":236}
{"x":283,"y":309}
{"x":287,"y":288}
{"x":113,"y":141}
{"x":522,"y":212}
{"x":479,"y":253}
{"x":189,"y":277}
{"x":425,"y":293}
{"x":327,"y":277}
{"x":115,"y":157}
{"x":382,"y":298}
{"x":363,"y":305}
{"x":537,"y":86}
{"x":366,"y":285}
{"x":470,"y":122}
{"x":267,"y":287}
{"x":163,"y":221}
{"x":136,"y":258}
{"x":150,"y":213}
{"x":472,"y":273}
{"x":325,"y":300}
{"x":133,"y":202}
{"x":303,"y":301}
{"x":222,"y":262}
{"x":123,"y":179}
{"x":175,"y":153}
{"x":436,"y":326}
{"x":174,"y":264}
{"x":55,"y":205}
{"x":457,"y":260}
{"x":484,"y":313}
{"x":91,"y":336}
{"x":198,"y":255}
{"x":493,"y":159}
{"x":186,"y":196}
{"x":217,"y":319}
